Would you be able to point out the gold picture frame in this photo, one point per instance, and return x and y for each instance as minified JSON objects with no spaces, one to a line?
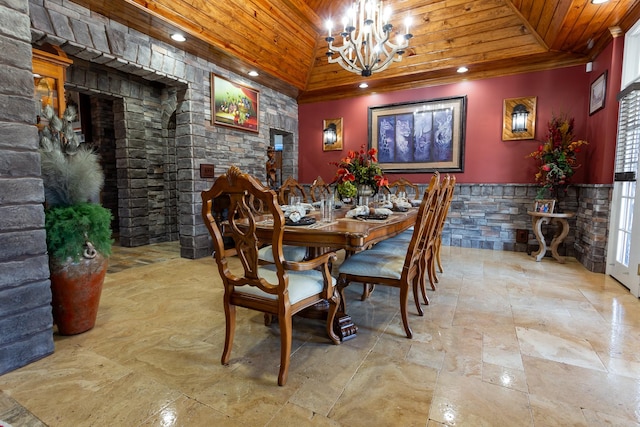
{"x":234,"y":105}
{"x":332,"y":146}
{"x":529,"y":103}
{"x":544,"y":205}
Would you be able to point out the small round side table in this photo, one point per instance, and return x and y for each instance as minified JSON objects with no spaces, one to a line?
{"x":558,"y":219}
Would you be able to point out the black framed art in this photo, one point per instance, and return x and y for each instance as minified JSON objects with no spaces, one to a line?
{"x":421,"y":136}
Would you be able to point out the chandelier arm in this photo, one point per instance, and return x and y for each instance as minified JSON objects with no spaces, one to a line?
{"x":365,"y":40}
{"x":340,"y":60}
{"x":385,"y":64}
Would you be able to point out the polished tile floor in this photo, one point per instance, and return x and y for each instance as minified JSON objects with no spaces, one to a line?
{"x":506,"y":341}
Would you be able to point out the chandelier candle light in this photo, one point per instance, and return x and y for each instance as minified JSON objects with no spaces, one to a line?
{"x":365,"y":39}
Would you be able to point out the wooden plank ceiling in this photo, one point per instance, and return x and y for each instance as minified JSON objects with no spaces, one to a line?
{"x":284,"y":39}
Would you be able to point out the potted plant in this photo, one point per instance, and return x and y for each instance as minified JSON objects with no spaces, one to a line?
{"x":77,"y":226}
{"x":359,"y":174}
{"x":556,"y":158}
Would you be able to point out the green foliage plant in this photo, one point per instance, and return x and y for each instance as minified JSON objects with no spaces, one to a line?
{"x":75,"y":222}
{"x":70,"y":227}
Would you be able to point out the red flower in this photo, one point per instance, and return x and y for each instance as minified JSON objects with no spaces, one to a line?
{"x":360,"y":167}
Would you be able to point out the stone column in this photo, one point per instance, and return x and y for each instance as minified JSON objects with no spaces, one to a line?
{"x":25,"y":295}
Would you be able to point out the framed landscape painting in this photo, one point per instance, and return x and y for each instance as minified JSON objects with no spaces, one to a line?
{"x":421,"y":136}
{"x":234,"y":105}
{"x":598,"y":93}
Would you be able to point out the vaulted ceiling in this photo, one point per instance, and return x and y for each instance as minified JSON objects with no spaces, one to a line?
{"x":284,"y":39}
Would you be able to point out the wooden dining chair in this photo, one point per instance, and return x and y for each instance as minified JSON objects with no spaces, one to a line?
{"x":291,"y":187}
{"x":428,"y":247}
{"x":319,"y":190}
{"x":402,"y":184}
{"x":281,"y":289}
{"x":400,"y":242}
{"x":444,"y":212}
{"x":391,"y":268}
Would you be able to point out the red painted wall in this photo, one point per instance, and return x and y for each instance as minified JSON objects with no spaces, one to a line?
{"x":487,"y":159}
{"x":602,"y":126}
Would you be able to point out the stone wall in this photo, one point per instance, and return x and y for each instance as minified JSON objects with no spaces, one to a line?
{"x":103,"y":139}
{"x":592,"y":226}
{"x":98,"y":40}
{"x":487,"y":216}
{"x":25,"y":296}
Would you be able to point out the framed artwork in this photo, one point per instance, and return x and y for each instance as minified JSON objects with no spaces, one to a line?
{"x":598,"y":93}
{"x":421,"y":136}
{"x":234,"y":105}
{"x":332,"y":134}
{"x":519,"y":118}
{"x":544,"y":205}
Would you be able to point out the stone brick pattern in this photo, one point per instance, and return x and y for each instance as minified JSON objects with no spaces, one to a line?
{"x":104,"y":141}
{"x":25,"y":296}
{"x":167,"y":163}
{"x":592,"y":226}
{"x":487,"y":216}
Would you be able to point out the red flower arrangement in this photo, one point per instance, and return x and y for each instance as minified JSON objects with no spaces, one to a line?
{"x":557,"y":157}
{"x":359,"y":168}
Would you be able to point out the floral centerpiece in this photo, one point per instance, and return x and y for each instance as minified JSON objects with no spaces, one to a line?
{"x":359,"y":169}
{"x":557,"y":157}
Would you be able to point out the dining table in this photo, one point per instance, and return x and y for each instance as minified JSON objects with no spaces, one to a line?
{"x":353,"y":234}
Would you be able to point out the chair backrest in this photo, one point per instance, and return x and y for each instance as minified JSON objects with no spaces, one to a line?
{"x":431,"y":229}
{"x":245,"y":192}
{"x":319,"y":190}
{"x":424,"y":219}
{"x":403,"y":184}
{"x":446,"y":203}
{"x":291,"y":187}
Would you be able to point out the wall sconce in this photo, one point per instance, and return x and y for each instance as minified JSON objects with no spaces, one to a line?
{"x":519,"y":118}
{"x":330,"y":134}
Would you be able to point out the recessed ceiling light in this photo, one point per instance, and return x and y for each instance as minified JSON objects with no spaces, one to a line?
{"x":253,"y":73}
{"x":363,"y":86}
{"x":178,"y":37}
{"x":463,"y":69}
{"x":599,"y":1}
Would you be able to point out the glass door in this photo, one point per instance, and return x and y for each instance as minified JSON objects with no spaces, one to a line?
{"x":623,"y":257}
{"x":624,"y":264}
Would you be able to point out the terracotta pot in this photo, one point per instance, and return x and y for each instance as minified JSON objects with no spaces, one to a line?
{"x":75,"y":292}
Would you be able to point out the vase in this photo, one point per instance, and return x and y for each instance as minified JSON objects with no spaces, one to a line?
{"x":560,"y":195}
{"x":365,"y":191}
{"x":75,"y":291}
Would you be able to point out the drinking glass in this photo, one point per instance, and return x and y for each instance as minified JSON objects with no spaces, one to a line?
{"x":327,"y":209}
{"x":295,"y":200}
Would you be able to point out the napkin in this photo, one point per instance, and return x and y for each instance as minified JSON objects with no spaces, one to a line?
{"x":388,"y":204}
{"x":357,"y":211}
{"x":402,"y":204}
{"x":295,"y":216}
{"x":294,"y":212}
{"x":380,"y":211}
{"x":365,"y":210}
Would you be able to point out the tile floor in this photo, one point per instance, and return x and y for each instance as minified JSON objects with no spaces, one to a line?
{"x":506,"y":341}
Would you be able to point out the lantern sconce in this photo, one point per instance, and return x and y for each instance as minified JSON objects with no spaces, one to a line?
{"x":332,"y":134}
{"x":519,"y":118}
